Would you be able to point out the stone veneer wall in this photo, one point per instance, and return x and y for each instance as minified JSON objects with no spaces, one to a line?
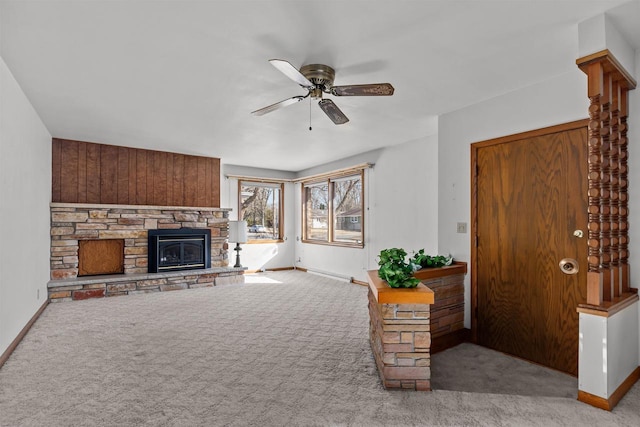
{"x":73,"y":222}
{"x":447,"y":312}
{"x":401,"y":341}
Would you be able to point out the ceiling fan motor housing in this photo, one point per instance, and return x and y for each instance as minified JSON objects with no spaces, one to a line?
{"x":320,"y":75}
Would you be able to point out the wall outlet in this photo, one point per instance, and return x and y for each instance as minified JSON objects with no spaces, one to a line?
{"x":462,"y":227}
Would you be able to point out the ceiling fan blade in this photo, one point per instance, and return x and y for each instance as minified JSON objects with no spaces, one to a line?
{"x":332,"y":110}
{"x":376,"y":89}
{"x":277,"y":105}
{"x":292,"y":72}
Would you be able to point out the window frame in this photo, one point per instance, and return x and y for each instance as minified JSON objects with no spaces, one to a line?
{"x":264,"y":183}
{"x":329,"y":180}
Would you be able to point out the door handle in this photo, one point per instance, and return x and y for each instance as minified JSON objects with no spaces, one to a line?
{"x":569,"y":266}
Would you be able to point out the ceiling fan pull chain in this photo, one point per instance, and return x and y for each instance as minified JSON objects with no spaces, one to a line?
{"x":309,"y":114}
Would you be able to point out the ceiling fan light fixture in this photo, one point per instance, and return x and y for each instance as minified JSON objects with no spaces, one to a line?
{"x":316,"y":93}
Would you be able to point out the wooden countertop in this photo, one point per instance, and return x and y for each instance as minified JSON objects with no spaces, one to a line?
{"x":457,"y":267}
{"x":385,"y":294}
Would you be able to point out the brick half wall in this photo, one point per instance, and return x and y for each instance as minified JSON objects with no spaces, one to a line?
{"x":400,"y":336}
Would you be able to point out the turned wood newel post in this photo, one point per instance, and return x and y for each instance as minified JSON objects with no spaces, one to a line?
{"x":608,"y":225}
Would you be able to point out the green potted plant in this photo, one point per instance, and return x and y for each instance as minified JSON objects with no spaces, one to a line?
{"x":395,"y":269}
{"x":421,"y":260}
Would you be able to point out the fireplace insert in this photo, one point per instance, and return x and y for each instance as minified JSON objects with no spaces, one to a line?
{"x":179,"y":249}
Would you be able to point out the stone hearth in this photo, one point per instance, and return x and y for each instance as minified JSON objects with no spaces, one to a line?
{"x":130,"y":284}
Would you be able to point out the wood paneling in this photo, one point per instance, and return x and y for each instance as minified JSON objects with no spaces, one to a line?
{"x":56,"y":161}
{"x":123,"y":176}
{"x":84,"y":172}
{"x":177,"y":182}
{"x":190,"y":173}
{"x":69,"y":175}
{"x":92,"y":174}
{"x":215,"y":189}
{"x":108,"y":174}
{"x":141,"y":177}
{"x":132,"y":173}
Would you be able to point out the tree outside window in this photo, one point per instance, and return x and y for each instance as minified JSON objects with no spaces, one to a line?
{"x":347,"y":210}
{"x":334,"y":210}
{"x":261,"y":206}
{"x":317,"y":212}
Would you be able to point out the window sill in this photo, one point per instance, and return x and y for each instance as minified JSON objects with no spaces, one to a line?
{"x":339,"y":244}
{"x":258,"y":242}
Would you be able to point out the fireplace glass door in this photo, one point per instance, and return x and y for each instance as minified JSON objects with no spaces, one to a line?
{"x":186,"y":252}
{"x":181,"y":249}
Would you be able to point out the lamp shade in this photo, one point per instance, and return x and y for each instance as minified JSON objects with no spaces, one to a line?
{"x":238,"y":231}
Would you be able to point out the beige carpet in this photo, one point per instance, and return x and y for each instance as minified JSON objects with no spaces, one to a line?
{"x":472,"y":368}
{"x":290,"y":348}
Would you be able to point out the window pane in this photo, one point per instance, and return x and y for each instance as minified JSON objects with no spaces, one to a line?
{"x":260,"y":207}
{"x":317,"y":213}
{"x":347,"y":210}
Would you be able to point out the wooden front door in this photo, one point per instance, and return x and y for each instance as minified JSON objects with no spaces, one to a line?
{"x":530,"y":197}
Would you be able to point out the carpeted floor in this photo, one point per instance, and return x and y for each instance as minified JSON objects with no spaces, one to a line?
{"x":287,"y":348}
{"x":476,"y":369}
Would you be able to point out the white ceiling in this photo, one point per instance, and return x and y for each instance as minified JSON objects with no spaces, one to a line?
{"x":183,"y":76}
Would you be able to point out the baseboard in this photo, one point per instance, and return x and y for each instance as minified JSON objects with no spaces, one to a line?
{"x":23,"y":332}
{"x":614,"y":399}
{"x":351,"y":279}
{"x":359,"y":282}
{"x":452,"y":339}
{"x":269,"y":269}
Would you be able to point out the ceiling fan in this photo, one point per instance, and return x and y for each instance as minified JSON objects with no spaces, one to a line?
{"x":318,"y":79}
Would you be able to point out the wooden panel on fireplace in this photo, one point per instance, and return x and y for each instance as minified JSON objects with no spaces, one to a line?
{"x":85,"y":172}
{"x":105,"y":256}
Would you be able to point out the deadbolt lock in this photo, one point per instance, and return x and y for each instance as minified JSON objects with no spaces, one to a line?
{"x":578,"y":233}
{"x":569,"y":266}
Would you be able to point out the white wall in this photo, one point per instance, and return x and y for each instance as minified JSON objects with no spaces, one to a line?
{"x":599,"y":33}
{"x":401,"y":193}
{"x":608,"y":352}
{"x":400,"y":198}
{"x":558,"y":100}
{"x":25,"y":193}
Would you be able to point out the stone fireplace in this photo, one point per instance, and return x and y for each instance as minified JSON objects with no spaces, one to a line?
{"x":73,"y":225}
